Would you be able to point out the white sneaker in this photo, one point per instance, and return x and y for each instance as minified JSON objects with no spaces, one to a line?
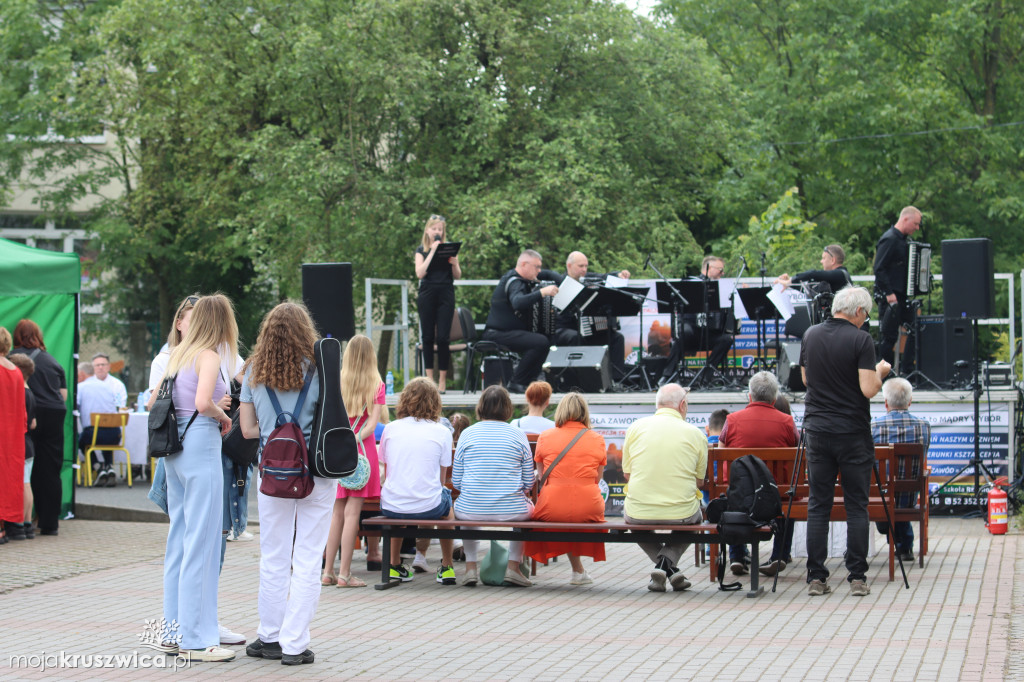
{"x":419,"y":564}
{"x":229,"y":637}
{"x":244,"y":536}
{"x":211,"y":654}
{"x":580,"y":578}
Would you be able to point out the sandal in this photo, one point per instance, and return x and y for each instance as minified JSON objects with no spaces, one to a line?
{"x":350,"y":581}
{"x":328,"y":579}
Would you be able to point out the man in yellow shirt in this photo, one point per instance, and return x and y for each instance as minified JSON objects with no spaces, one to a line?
{"x":665,"y":460}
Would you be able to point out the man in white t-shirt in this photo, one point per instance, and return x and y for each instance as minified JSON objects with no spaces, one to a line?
{"x":93,"y":396}
{"x":101,"y":371}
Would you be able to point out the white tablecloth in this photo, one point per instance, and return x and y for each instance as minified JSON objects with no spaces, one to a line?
{"x":136,"y":438}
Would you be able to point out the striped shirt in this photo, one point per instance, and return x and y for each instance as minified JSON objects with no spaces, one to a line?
{"x":899,"y":426}
{"x":492,"y":468}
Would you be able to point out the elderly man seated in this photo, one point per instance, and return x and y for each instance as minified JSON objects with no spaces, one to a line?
{"x":664,"y":460}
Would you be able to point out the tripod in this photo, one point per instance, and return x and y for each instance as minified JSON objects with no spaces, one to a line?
{"x":976,"y":464}
{"x":798,"y":461}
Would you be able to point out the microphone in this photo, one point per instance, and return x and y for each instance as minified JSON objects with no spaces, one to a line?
{"x":647,"y":262}
{"x":437,"y":237}
{"x":744,"y":261}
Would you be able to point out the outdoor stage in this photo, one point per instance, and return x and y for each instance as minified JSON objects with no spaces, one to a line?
{"x":950,"y":413}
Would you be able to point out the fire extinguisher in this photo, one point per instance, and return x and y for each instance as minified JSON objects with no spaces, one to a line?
{"x":996,"y":511}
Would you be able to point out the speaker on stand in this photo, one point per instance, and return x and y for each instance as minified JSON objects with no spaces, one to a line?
{"x":327,"y":293}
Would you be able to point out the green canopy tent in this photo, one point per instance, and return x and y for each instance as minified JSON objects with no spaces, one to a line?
{"x":43,"y":286}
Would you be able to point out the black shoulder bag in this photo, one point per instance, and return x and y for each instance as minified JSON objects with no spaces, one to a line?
{"x":163,"y":423}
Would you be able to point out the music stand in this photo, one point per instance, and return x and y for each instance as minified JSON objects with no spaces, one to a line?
{"x":622,"y":302}
{"x":700,"y":297}
{"x":760,"y":309}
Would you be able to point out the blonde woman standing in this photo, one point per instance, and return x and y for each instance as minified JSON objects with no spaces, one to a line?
{"x":363,"y":394}
{"x":436,"y":299}
{"x":195,"y":482}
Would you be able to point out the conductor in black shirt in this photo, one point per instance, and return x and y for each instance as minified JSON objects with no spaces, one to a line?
{"x":832,"y":271}
{"x":508,"y":322}
{"x":567,"y":323}
{"x":891,"y":283}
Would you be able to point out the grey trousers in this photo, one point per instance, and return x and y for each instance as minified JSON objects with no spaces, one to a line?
{"x":670,"y":550}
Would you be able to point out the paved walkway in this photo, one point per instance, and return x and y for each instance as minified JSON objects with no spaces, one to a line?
{"x":90,"y":590}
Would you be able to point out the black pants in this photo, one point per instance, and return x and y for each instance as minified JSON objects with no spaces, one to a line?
{"x":531,"y":346}
{"x":48,"y":438}
{"x":106,"y":436}
{"x":719,"y":343}
{"x":613,"y":339}
{"x":892,"y":316}
{"x":436,"y":306}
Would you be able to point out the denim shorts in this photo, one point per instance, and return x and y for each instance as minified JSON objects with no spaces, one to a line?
{"x":439,"y":512}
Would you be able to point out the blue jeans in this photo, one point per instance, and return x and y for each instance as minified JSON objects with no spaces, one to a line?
{"x":236,"y":502}
{"x":828,"y":455}
{"x":195,"y":504}
{"x":902,"y":532}
{"x":438,"y":512}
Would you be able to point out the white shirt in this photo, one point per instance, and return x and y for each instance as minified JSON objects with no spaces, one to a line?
{"x":530,"y":424}
{"x":94,"y":396}
{"x":413,"y":450}
{"x":228,"y":368}
{"x":116,"y":387}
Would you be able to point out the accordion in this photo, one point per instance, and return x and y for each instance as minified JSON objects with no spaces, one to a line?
{"x":542,"y":314}
{"x":919,"y":269}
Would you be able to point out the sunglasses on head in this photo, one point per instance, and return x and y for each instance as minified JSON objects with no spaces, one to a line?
{"x":434,"y":216}
{"x":192,"y":300}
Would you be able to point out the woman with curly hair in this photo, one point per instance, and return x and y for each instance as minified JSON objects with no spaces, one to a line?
{"x":195,"y":480}
{"x":362,"y":391}
{"x":415,"y":450}
{"x":292,"y":531}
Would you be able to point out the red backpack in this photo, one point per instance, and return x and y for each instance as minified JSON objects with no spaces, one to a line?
{"x":284,"y":458}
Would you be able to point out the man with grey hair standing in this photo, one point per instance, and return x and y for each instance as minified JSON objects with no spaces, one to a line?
{"x":897,"y":425}
{"x":837,"y":361}
{"x":760,"y":425}
{"x":665,"y":460}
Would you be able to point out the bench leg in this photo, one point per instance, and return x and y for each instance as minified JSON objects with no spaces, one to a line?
{"x":385,"y":561}
{"x":755,"y":576}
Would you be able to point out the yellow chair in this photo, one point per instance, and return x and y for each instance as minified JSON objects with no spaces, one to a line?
{"x":104,"y":420}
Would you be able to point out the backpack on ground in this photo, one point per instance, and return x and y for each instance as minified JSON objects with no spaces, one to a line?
{"x":751,"y":502}
{"x":284,"y":458}
{"x":333,"y":450}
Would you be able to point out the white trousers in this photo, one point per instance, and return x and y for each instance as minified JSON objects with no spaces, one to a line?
{"x":470,"y":547}
{"x":293,"y":534}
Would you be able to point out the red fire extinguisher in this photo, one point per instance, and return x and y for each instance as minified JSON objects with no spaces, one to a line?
{"x":996,"y":511}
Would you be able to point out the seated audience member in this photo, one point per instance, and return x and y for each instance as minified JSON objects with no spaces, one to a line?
{"x":664,"y":461}
{"x":415,"y":450}
{"x":897,"y":425}
{"x":538,"y":397}
{"x":715,"y":423}
{"x":760,"y":425}
{"x":96,"y":397}
{"x":570,"y":492}
{"x":493,"y":471}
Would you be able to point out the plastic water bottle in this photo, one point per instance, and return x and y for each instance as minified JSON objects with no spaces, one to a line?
{"x":389,"y":383}
{"x":140,"y":406}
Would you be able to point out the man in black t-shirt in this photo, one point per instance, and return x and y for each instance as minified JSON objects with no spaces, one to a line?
{"x":890,"y":268}
{"x":507,"y":323}
{"x":832,"y":272}
{"x":837,"y":361}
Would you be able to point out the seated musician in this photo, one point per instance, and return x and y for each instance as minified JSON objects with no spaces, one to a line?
{"x":833,"y":272}
{"x":719,"y":331}
{"x":567,"y":324}
{"x":509,"y":320}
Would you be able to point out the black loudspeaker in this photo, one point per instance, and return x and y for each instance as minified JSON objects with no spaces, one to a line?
{"x":789,"y":366}
{"x":496,"y":370}
{"x":327,"y":292}
{"x":943,"y":343}
{"x":968,"y":282}
{"x":578,"y":368}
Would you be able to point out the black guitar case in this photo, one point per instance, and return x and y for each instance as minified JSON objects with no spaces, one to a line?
{"x":333,"y":450}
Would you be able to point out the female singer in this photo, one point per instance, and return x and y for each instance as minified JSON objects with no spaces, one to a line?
{"x":436,"y":300}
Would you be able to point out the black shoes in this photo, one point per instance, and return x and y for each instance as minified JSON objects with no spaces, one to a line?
{"x":51,"y":531}
{"x":30,"y":532}
{"x":298,"y":659}
{"x":515,"y":388}
{"x":270,"y":650}
{"x":15,"y":531}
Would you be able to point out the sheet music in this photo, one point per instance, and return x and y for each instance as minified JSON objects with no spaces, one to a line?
{"x":614,"y":281}
{"x":725,"y":288}
{"x":782,"y":302}
{"x":567,"y":291}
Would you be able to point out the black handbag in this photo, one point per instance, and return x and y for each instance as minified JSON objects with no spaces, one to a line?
{"x":163,"y":423}
{"x":238,"y":448}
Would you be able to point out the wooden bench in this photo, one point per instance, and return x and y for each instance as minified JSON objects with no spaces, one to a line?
{"x":908,"y":483}
{"x":775,"y":458}
{"x":614,"y":531}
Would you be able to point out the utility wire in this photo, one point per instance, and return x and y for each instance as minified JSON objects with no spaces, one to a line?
{"x":908,"y":134}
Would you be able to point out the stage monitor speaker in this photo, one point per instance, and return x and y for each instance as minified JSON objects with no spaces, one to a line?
{"x":789,"y":366}
{"x":943,"y":343}
{"x":578,"y":368}
{"x":327,"y":292}
{"x":968,"y":282}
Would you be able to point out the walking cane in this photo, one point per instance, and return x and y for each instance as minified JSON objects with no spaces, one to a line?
{"x":888,"y":519}
{"x":801,"y":448}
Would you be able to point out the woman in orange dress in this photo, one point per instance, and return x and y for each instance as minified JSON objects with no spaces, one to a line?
{"x":571,"y":492}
